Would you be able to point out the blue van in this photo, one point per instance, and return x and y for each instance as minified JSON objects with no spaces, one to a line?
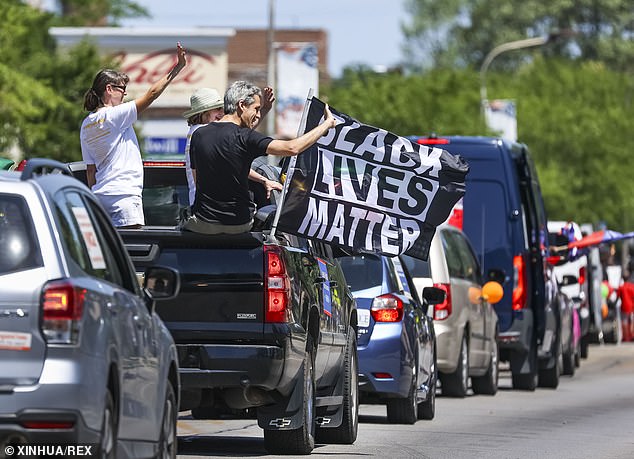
{"x":505,"y":220}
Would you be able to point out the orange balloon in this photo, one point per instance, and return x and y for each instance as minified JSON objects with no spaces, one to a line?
{"x":493,"y":292}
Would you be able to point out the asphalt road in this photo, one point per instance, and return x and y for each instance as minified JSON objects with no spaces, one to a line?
{"x":590,"y":415}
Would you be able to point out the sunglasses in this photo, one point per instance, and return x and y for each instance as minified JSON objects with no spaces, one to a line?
{"x":123,"y":88}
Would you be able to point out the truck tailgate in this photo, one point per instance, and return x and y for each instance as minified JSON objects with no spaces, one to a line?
{"x":221,"y":296}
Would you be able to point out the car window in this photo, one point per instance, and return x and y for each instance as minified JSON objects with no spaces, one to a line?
{"x":119,"y":263}
{"x":402,"y":280}
{"x":165,"y":195}
{"x":470,"y":267}
{"x":18,"y":242}
{"x":82,"y":238}
{"x":452,"y":255}
{"x":416,"y":266}
{"x":362,"y":271}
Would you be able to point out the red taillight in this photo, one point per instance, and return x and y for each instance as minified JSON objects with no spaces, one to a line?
{"x":443,"y":310}
{"x":582,"y":275}
{"x":432,"y":141}
{"x":47,"y":424}
{"x":519,"y":283}
{"x":62,"y":308}
{"x":277,"y":292}
{"x":387,"y":308}
{"x":382,"y":375}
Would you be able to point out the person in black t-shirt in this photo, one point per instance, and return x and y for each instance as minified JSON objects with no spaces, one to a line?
{"x":221,"y":154}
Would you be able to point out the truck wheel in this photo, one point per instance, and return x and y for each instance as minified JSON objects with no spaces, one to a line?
{"x":404,"y":410}
{"x":108,"y":442}
{"x":302,"y":439}
{"x":456,"y":384}
{"x":527,"y":381}
{"x":427,"y":409}
{"x":346,"y":433}
{"x":487,"y":384}
{"x":168,"y":439}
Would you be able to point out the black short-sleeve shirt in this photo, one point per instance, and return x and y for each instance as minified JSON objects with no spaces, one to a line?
{"x":222,"y":153}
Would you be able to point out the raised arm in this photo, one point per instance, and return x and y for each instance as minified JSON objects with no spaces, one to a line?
{"x":296,"y":146}
{"x":157,"y":88}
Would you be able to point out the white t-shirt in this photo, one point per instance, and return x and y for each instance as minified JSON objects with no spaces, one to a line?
{"x":191,"y":183}
{"x":109,"y":142}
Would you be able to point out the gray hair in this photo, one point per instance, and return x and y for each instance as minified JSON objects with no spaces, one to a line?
{"x":240,"y":90}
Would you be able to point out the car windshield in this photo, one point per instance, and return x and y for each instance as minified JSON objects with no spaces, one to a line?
{"x":165,"y":196}
{"x":362,"y":271}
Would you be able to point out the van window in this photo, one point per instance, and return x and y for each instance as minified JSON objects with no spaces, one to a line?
{"x":18,"y":243}
{"x":486,"y":211}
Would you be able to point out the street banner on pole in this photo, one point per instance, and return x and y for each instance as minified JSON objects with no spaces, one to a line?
{"x":501,"y":117}
{"x":365,"y":189}
{"x":297,"y":72}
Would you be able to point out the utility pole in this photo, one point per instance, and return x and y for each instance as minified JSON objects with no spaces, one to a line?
{"x":270,"y":67}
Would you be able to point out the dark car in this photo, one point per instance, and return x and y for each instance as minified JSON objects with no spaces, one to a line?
{"x":396,"y":342}
{"x":505,"y":219}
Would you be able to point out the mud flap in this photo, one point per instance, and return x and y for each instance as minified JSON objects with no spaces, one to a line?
{"x":286,"y":414}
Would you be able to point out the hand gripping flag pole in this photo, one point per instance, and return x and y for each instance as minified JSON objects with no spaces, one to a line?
{"x":291,"y":165}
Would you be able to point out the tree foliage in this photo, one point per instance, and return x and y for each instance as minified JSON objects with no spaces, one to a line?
{"x":99,"y":12}
{"x":576,"y":117}
{"x":461,"y":32}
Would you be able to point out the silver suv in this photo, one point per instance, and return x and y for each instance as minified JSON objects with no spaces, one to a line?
{"x":83,"y":357}
{"x":466,"y":324}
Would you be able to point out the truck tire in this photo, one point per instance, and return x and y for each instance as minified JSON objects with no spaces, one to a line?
{"x":346,"y":433}
{"x":302,"y":439}
{"x":527,"y":381}
{"x":487,"y":384}
{"x":456,"y":384}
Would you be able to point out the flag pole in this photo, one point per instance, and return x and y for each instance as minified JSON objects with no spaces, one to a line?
{"x":291,"y":166}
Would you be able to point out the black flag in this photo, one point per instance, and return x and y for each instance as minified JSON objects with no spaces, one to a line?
{"x":367,"y":190}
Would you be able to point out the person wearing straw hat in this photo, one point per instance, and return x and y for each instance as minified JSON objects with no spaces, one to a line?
{"x":206,"y":106}
{"x":222,"y":152}
{"x":109,"y":146}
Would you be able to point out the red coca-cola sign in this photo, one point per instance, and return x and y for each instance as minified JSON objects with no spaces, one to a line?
{"x":147,"y":69}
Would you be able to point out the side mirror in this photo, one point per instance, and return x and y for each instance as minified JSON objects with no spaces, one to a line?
{"x":492,"y":292}
{"x":161,"y":283}
{"x":569,"y":279}
{"x":433,"y":295}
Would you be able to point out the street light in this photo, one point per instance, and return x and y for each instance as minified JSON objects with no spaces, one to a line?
{"x":519,"y":44}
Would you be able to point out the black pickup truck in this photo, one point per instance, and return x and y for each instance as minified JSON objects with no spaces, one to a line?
{"x":260,"y":322}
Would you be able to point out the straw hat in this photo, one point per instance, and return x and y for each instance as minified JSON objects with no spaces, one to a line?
{"x":202,"y":100}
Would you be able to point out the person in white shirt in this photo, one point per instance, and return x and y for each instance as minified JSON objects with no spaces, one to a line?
{"x":109,"y":146}
{"x":206,"y":106}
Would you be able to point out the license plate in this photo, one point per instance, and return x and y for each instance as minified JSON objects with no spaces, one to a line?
{"x":363,"y":317}
{"x":14,"y":341}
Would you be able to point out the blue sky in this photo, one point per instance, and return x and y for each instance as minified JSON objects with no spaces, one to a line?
{"x":359,"y":31}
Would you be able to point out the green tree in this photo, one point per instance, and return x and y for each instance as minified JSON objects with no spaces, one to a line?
{"x":576,"y":117}
{"x":99,"y":12}
{"x":461,"y":32}
{"x":41,"y":91}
